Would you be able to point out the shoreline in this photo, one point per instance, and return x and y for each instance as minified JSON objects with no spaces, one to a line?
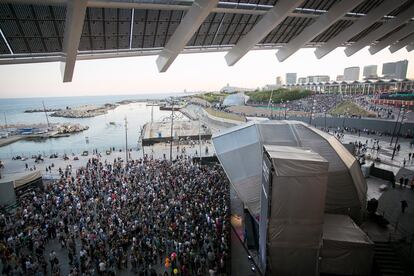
{"x":84,"y":111}
{"x":16,"y":138}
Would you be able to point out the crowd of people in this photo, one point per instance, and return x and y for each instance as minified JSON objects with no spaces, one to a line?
{"x":148,"y":217}
{"x":318,"y":103}
{"x":381,"y":111}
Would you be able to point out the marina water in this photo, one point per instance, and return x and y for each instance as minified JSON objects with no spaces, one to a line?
{"x":105,"y":131}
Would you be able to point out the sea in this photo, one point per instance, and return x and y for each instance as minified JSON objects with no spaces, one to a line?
{"x":105,"y":131}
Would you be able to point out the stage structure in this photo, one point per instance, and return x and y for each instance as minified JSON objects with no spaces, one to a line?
{"x":239,"y":150}
{"x":302,"y":186}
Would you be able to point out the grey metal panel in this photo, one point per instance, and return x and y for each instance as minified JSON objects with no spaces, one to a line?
{"x":366,"y":6}
{"x":269,"y":21}
{"x":275,"y":32}
{"x":59,"y":12}
{"x":29,"y":28}
{"x":3,"y":48}
{"x":334,"y":30}
{"x":402,"y":43}
{"x":35,"y":44}
{"x":5,"y":12}
{"x":42,"y":12}
{"x":198,"y":12}
{"x":47,"y":28}
{"x":10,"y":28}
{"x":321,"y":4}
{"x":393,"y":37}
{"x":74,"y":24}
{"x":319,"y":26}
{"x":47,"y":23}
{"x":52,"y":44}
{"x":362,"y":34}
{"x":123,"y":42}
{"x":360,"y":25}
{"x":18,"y":45}
{"x":111,"y":28}
{"x":111,"y":42}
{"x":97,"y":28}
{"x":386,"y":28}
{"x":84,"y":44}
{"x":23,"y":12}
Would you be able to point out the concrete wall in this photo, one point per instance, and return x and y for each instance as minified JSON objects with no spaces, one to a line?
{"x":372,"y":124}
{"x":220,"y":121}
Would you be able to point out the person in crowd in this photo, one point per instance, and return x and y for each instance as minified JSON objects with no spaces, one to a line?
{"x":404,"y":206}
{"x":145,"y":217}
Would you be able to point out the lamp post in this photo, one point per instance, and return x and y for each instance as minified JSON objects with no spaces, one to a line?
{"x":286,"y":108}
{"x":199,"y":136}
{"x":398,"y":133}
{"x":346,"y":114}
{"x":172,"y":127}
{"x":126,"y":141}
{"x":312,"y":111}
{"x":396,"y":123}
{"x":324,"y":111}
{"x":282,"y":104}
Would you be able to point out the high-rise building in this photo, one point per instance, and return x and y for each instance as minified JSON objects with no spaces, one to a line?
{"x":317,"y":79}
{"x":370,"y":72}
{"x":340,"y":78}
{"x":279,"y":80}
{"x":401,"y":70}
{"x":291,"y":78}
{"x":395,"y":70}
{"x":389,"y":69}
{"x":351,"y":73}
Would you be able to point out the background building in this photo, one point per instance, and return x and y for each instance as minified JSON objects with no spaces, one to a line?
{"x":370,"y":72}
{"x":279,"y":81}
{"x":351,"y":73}
{"x":395,"y":70}
{"x":291,"y":78}
{"x":302,"y":80}
{"x":233,"y":89}
{"x":317,"y":79}
{"x":270,"y":87}
{"x":340,"y":78}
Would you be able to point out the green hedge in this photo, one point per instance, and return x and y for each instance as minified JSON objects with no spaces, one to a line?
{"x":349,"y":108}
{"x":212,"y":97}
{"x":278,"y":95}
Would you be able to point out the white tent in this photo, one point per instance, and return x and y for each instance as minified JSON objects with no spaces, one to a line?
{"x":10,"y":183}
{"x":296,"y":202}
{"x":346,"y":249}
{"x":239,"y":150}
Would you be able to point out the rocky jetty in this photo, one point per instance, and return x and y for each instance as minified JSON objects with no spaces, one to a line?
{"x":85,"y":111}
{"x":70,"y":128}
{"x":42,"y":110}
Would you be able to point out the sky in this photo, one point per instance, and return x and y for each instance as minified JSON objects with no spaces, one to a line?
{"x":191,"y":72}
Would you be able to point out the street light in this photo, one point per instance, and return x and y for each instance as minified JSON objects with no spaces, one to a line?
{"x":398,"y":133}
{"x":346,"y":114}
{"x":172,"y":127}
{"x":286,"y":108}
{"x":279,"y":111}
{"x":396,"y":123}
{"x":312,"y":111}
{"x":126,"y":141}
{"x":199,"y":135}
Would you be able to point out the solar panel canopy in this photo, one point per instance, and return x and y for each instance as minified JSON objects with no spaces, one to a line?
{"x":34,"y":31}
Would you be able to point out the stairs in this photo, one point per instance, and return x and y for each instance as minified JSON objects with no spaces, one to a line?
{"x":386,"y":260}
